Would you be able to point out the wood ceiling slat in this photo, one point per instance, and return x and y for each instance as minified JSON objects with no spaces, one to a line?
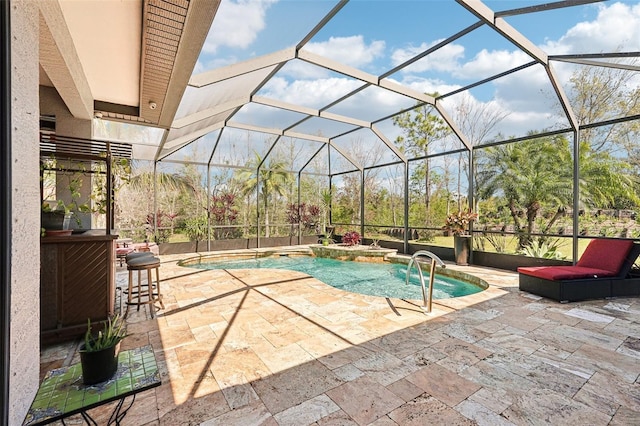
{"x":171,"y":29}
{"x":172,"y":7}
{"x":162,"y":42}
{"x":160,"y":65}
{"x":155,"y":32}
{"x":180,"y":3}
{"x":161,"y":57}
{"x":165,"y":16}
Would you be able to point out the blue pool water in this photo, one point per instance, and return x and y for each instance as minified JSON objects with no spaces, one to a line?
{"x":374,"y":279}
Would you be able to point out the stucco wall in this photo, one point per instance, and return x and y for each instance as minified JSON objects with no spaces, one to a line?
{"x":25,"y":210}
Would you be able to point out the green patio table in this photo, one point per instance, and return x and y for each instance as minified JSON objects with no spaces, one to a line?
{"x":62,"y":393}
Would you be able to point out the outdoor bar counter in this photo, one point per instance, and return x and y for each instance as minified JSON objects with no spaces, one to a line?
{"x":77,"y":282}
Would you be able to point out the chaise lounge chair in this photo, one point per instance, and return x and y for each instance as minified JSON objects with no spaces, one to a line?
{"x":603,"y":271}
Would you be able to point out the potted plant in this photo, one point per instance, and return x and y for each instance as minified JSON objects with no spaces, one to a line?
{"x":458,"y":225}
{"x":99,"y":352}
{"x":326,"y":239}
{"x":57,"y":218}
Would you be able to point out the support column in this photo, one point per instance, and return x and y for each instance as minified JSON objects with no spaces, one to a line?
{"x":21,"y":241}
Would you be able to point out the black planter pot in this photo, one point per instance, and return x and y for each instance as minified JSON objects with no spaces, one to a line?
{"x":462,"y":248}
{"x":99,"y":366}
{"x":55,"y":220}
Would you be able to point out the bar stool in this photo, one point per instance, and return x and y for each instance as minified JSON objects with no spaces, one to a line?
{"x":144,"y":262}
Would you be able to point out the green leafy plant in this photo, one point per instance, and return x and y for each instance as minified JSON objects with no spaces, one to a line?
{"x":114,"y":331}
{"x":544,"y":250}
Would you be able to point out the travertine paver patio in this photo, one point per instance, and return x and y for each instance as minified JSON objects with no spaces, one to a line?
{"x":261,"y":347}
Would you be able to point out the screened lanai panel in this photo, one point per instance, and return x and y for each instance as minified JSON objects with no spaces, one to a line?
{"x":598,"y":94}
{"x":384,"y":200}
{"x":323,"y":127}
{"x":144,"y":139}
{"x":345,"y":202}
{"x":526,"y":185}
{"x":180,"y":137}
{"x":198,"y":151}
{"x":366,"y":25}
{"x":308,"y":85}
{"x":516,"y":105}
{"x":267,"y":116}
{"x":239,"y":147}
{"x":133,"y":202}
{"x":373,"y":103}
{"x":608,"y":172}
{"x":365,"y":147}
{"x":294,"y":152}
{"x":219,"y":92}
{"x":339,"y":163}
{"x":314,"y":191}
{"x":319,"y":164}
{"x":597,"y":30}
{"x":462,"y":62}
{"x":398,"y":131}
{"x":287,"y":22}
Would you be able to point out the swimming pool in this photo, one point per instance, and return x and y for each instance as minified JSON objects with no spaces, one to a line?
{"x":374,"y":279}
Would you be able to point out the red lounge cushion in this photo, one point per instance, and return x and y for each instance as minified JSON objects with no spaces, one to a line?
{"x":556,"y":273}
{"x":122,"y":251}
{"x":606,"y":254}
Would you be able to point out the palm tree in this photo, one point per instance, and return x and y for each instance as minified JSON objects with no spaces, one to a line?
{"x":524,"y":175}
{"x":532,"y":174}
{"x":271,"y":178}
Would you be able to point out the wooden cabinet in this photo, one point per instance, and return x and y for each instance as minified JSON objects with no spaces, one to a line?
{"x":77,"y":281}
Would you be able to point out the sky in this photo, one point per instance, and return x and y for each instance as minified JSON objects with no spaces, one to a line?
{"x":376,"y":36}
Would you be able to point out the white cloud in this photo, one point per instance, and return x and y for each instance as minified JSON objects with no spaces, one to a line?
{"x":301,"y":70}
{"x":444,"y":59}
{"x":352,"y":51}
{"x":487,"y":63}
{"x":315,"y":93}
{"x":202,"y":66}
{"x":237,"y":24}
{"x":616,"y":27}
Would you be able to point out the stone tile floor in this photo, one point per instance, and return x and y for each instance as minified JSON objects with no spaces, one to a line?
{"x":260,"y":347}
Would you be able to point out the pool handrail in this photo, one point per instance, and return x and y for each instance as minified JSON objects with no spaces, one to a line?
{"x":427,"y":297}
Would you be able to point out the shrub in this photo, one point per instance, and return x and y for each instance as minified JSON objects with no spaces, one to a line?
{"x":351,"y":238}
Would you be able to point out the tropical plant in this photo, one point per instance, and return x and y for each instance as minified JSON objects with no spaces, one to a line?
{"x":326,"y":238}
{"x":458,"y":223}
{"x":115,"y":329}
{"x":224,"y":216}
{"x":543,"y":249}
{"x":533,"y":174}
{"x":351,"y":238}
{"x":196,"y":229}
{"x":269,"y":179}
{"x":306,"y":216}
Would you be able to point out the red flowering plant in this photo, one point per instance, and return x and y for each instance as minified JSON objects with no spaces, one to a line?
{"x":458,"y":223}
{"x":351,"y":238}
